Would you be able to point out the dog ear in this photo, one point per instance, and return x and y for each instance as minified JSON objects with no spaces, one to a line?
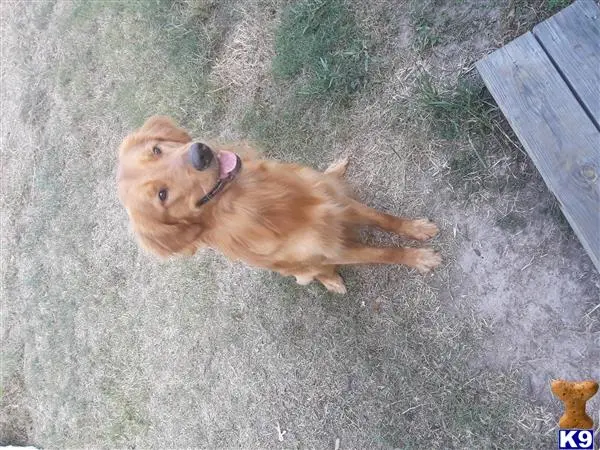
{"x":164,"y":128}
{"x":167,"y":240}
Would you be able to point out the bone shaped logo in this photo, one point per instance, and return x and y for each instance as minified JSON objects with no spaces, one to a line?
{"x":574,"y":395}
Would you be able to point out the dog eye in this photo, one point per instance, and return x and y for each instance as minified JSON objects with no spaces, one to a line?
{"x":156,"y":150}
{"x":162,"y":195}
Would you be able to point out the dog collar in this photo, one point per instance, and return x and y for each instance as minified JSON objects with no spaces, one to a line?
{"x":221,"y":184}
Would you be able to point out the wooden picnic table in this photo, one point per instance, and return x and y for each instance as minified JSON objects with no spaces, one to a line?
{"x":547,"y":84}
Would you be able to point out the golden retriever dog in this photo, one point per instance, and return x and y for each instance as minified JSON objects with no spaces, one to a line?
{"x":182,"y":195}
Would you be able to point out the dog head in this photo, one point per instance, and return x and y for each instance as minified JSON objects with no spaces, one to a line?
{"x":163,"y":180}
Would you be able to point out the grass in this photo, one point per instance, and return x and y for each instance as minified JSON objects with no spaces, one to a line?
{"x":295,"y":128}
{"x":522,"y":15}
{"x":318,"y":41}
{"x":426,"y":36}
{"x":452,"y":111}
{"x":555,"y":5}
{"x":179,"y":71}
{"x":104,"y":346}
{"x":464,"y":115}
{"x":320,"y":63}
{"x":427,"y":33}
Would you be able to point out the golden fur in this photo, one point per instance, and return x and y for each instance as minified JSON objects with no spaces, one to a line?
{"x":284,"y":217}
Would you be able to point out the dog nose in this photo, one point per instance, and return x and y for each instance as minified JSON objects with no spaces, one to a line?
{"x":200,"y":155}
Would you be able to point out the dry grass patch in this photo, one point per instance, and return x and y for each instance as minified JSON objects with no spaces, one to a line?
{"x":243,"y":67}
{"x":521,"y":15}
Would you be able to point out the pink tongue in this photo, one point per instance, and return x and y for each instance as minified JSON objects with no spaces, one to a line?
{"x":227,"y":162}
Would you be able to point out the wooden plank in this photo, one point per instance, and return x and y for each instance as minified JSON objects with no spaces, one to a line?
{"x":557,"y":133}
{"x":572,"y":40}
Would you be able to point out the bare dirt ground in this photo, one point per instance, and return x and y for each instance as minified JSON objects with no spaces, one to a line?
{"x":104,"y":346}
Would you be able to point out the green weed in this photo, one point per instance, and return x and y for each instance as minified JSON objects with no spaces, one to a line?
{"x":318,"y":42}
{"x":427,"y":34}
{"x":457,"y":110}
{"x":556,"y":5}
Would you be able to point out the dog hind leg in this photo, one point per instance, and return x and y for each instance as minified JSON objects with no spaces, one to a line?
{"x":422,"y":259}
{"x":419,"y":229}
